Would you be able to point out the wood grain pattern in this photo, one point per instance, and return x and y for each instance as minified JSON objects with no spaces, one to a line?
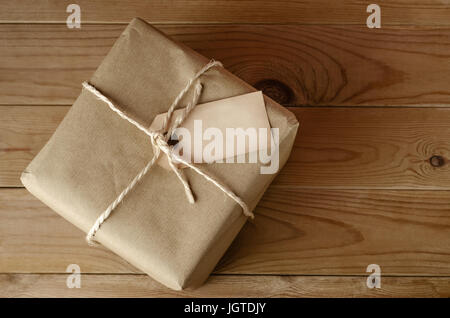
{"x":23,"y":132}
{"x":314,"y":232}
{"x":296,"y":65}
{"x":336,"y":232}
{"x":47,"y":285}
{"x":341,"y":148}
{"x":34,"y":239}
{"x":369,"y":148}
{"x":363,"y":185}
{"x":419,"y":12}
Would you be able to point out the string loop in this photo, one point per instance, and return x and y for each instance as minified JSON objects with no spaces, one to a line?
{"x":159,"y":140}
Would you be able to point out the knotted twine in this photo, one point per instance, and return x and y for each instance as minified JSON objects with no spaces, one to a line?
{"x":159,"y":140}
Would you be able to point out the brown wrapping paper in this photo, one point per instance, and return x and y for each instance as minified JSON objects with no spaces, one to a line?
{"x":94,"y":154}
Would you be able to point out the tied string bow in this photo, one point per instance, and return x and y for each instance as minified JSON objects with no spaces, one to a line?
{"x":159,"y":140}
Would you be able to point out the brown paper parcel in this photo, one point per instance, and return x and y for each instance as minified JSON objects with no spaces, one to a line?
{"x":94,"y":154}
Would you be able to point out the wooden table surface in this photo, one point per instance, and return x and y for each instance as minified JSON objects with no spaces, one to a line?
{"x":368,"y":181}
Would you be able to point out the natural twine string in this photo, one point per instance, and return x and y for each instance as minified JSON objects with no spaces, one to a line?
{"x":159,"y":140}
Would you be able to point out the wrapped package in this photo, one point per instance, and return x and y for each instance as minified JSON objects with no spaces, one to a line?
{"x":94,"y":154}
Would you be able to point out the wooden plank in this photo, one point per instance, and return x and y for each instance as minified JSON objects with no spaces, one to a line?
{"x":34,"y":239}
{"x":371,"y":148}
{"x":226,"y":286}
{"x":421,"y":12}
{"x":306,"y":232}
{"x":23,"y":132}
{"x":296,"y":65}
{"x":341,"y":148}
{"x":333,"y":232}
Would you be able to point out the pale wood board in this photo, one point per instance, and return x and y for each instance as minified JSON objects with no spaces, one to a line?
{"x":326,"y":232}
{"x":227,"y":286}
{"x":23,"y":132}
{"x":296,"y":65}
{"x":419,"y":12}
{"x":340,"y":148}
